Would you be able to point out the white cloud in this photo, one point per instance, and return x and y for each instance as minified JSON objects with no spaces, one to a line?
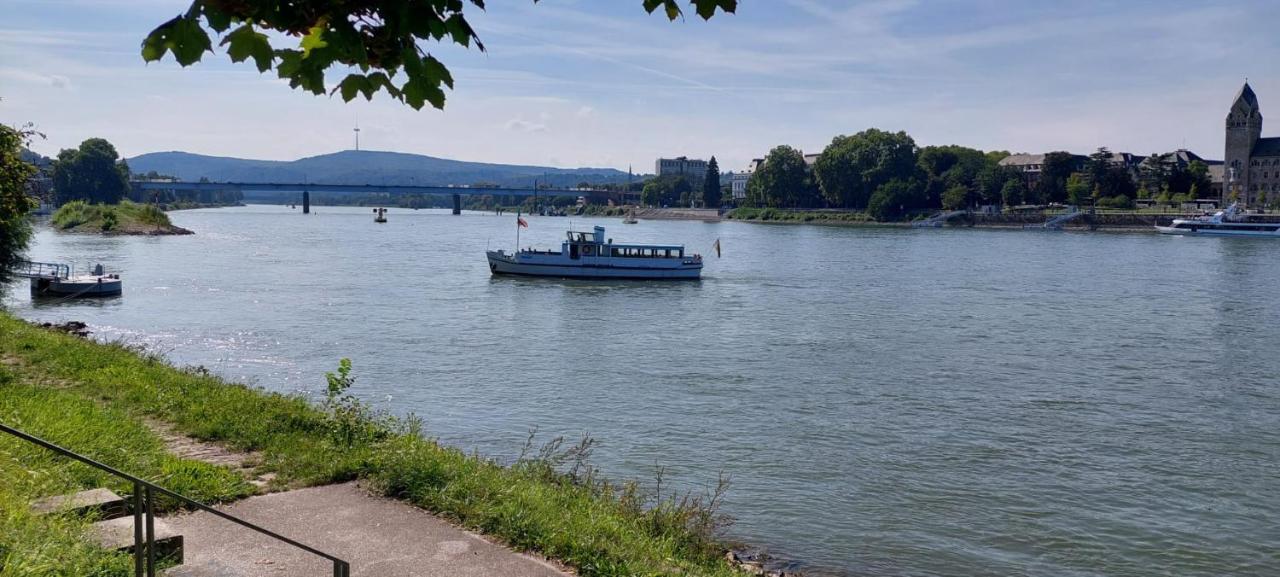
{"x":520,"y":125}
{"x":36,"y":78}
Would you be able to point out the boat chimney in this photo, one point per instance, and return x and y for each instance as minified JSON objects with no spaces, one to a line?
{"x":599,"y":234}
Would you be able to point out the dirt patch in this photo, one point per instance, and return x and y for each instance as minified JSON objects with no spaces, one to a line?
{"x":246,"y":464}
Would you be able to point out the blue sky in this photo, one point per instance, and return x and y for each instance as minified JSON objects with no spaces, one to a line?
{"x":600,"y":83}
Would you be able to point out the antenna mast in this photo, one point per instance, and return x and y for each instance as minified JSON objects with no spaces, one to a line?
{"x":357,"y":131}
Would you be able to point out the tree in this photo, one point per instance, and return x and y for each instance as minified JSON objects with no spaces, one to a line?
{"x":1077,"y":189}
{"x":782,"y":181}
{"x":666,"y":190}
{"x":949,"y":167}
{"x":711,"y":185}
{"x":1098,"y":164}
{"x":1013,"y":192}
{"x":956,"y":197}
{"x":1057,"y":168}
{"x":91,"y":173}
{"x":15,"y":230}
{"x":1198,"y":172}
{"x":379,"y":39}
{"x":1155,"y":174}
{"x":893,"y":199}
{"x":851,"y":168}
{"x":991,"y":181}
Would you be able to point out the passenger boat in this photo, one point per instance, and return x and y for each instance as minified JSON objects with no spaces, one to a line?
{"x":589,"y":255}
{"x":1227,"y":222}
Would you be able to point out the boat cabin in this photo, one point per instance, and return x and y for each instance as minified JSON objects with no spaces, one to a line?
{"x":594,"y":244}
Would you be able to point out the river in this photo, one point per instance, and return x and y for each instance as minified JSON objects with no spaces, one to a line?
{"x":886,"y":401}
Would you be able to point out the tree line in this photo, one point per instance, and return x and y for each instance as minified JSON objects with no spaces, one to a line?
{"x":888,"y":176}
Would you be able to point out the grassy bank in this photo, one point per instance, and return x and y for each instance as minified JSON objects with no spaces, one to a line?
{"x":781,"y":215}
{"x":549,"y":502}
{"x":55,"y":544}
{"x":124,"y":218}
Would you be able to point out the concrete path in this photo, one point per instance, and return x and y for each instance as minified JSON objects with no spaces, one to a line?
{"x":380,"y":538}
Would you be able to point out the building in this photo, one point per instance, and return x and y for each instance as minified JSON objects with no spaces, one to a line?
{"x":738,"y":180}
{"x":1032,"y":166}
{"x":1252,"y":170}
{"x":693,"y":169}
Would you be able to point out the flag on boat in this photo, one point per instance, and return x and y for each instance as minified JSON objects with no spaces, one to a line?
{"x":717,"y":245}
{"x":520,"y":222}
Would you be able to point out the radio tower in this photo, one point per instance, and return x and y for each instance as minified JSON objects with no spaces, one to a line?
{"x":357,"y":131}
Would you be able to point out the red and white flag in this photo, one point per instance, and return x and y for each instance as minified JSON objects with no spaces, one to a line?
{"x":520,"y":222}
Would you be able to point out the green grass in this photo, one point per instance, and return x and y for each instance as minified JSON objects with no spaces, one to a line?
{"x":124,"y":217}
{"x":784,"y":215}
{"x":551,"y":503}
{"x":54,"y":545}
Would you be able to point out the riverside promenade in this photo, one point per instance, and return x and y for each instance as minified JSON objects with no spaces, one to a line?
{"x":379,"y":536}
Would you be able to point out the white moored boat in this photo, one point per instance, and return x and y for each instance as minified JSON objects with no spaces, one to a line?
{"x":57,"y":280}
{"x":589,"y":255}
{"x":1227,"y":222}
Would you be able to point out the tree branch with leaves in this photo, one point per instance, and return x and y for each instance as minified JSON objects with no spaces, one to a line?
{"x":380,"y":42}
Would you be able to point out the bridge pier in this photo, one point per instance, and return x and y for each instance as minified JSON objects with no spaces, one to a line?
{"x":457,"y":203}
{"x":306,"y":202}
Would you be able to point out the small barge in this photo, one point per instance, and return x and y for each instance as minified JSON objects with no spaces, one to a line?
{"x":589,"y":255}
{"x":50,"y":279}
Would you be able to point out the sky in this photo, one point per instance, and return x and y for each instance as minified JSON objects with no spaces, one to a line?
{"x":601,"y":83}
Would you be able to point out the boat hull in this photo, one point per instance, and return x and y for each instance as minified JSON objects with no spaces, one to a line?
{"x":504,"y":264}
{"x":1210,"y":232}
{"x":74,"y":287}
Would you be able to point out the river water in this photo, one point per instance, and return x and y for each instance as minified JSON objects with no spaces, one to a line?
{"x":887,"y":402}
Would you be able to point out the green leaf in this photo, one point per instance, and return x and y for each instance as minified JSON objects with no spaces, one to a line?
{"x":182,"y":36}
{"x":155,"y":45}
{"x":244,"y":42}
{"x":218,"y":20}
{"x":189,"y":41}
{"x":314,"y":39}
{"x":418,"y":91}
{"x":355,"y":84}
{"x":436,"y":69}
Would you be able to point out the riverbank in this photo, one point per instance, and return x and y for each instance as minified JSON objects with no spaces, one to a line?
{"x":93,"y":398}
{"x":1106,"y":220}
{"x":125,"y":218}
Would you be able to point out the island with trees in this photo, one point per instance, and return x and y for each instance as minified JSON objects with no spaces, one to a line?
{"x":91,"y":185}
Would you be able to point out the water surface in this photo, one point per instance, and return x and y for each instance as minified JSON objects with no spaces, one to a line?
{"x":887,"y":402}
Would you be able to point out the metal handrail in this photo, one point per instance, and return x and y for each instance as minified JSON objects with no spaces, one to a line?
{"x":144,"y":498}
{"x":29,"y":268}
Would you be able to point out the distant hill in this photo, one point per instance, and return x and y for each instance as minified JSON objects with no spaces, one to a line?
{"x":366,"y":167}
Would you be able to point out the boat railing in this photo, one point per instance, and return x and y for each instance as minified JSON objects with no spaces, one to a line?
{"x":46,"y":270}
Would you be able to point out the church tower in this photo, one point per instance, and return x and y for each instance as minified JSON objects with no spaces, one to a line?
{"x":1244,"y":127}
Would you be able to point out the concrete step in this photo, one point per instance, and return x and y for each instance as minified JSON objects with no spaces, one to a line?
{"x":118,"y":534}
{"x":101,"y":502}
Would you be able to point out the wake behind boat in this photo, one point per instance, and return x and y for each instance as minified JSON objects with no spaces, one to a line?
{"x":589,"y":255}
{"x":1227,"y":222}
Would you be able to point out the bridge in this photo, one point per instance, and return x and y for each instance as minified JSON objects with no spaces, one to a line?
{"x":457,"y":192}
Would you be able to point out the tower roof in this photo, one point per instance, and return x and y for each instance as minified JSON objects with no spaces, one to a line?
{"x":1247,"y":96}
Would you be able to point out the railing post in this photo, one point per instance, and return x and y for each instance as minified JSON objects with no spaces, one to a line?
{"x":151,"y":533}
{"x":137,"y":530}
